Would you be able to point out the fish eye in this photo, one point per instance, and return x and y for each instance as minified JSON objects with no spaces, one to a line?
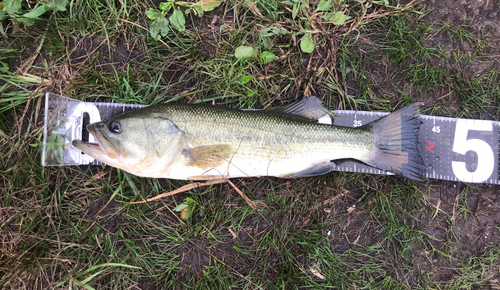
{"x":115,"y":127}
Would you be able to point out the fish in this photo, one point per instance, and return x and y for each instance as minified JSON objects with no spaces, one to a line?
{"x":207,"y":142}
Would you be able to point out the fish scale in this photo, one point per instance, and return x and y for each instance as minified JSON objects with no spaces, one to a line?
{"x":452,"y":149}
{"x":253,"y":132}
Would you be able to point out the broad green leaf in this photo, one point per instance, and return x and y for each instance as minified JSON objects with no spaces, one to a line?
{"x":36,"y":12}
{"x":209,"y":5}
{"x":244,"y":52}
{"x":246,"y":79}
{"x":177,"y":20}
{"x":190,"y":201}
{"x":11,"y":6}
{"x":151,"y":14}
{"x":180,"y":207}
{"x":324,"y":5}
{"x":155,"y":34}
{"x":60,"y":5}
{"x":197,"y":9}
{"x":307,"y":44}
{"x":187,"y":212}
{"x":186,"y":208}
{"x":337,"y":18}
{"x":266,"y":57}
{"x":159,"y":27}
{"x":269,"y":31}
{"x":166,"y":6}
{"x":164,"y":26}
{"x":186,"y":4}
{"x":274,"y":30}
{"x":2,"y":15}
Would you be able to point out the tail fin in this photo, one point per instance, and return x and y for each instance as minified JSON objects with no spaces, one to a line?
{"x":396,"y":143}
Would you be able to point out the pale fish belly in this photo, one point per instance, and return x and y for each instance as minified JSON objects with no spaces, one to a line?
{"x":287,"y":161}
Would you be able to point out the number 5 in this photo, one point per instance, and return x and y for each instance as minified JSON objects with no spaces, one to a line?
{"x":461,"y":145}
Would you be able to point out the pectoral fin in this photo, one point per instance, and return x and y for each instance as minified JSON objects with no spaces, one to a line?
{"x":206,"y":157}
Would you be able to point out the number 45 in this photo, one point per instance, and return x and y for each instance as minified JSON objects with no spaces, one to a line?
{"x":461,"y":145}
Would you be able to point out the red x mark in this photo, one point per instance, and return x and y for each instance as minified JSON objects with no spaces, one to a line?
{"x":432,"y":146}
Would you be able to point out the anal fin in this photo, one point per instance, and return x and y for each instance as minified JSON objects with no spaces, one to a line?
{"x":206,"y":177}
{"x":315,"y":170}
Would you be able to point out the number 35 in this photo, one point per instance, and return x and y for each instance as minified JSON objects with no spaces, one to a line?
{"x":461,"y":145}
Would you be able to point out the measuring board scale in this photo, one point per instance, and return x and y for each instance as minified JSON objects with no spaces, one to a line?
{"x":452,"y":149}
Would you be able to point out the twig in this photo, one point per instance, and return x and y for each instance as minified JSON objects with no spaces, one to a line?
{"x":98,"y":176}
{"x":179,"y":190}
{"x":250,"y":202}
{"x":437,"y":209}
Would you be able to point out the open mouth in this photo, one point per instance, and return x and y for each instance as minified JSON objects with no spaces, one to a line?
{"x":79,"y":144}
{"x":90,"y":148}
{"x":103,"y":149}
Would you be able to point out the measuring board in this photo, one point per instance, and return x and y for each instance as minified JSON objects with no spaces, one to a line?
{"x":452,"y":149}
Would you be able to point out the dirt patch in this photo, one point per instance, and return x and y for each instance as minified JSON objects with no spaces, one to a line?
{"x":464,"y":217}
{"x":464,"y":222}
{"x":105,"y":213}
{"x":98,"y":52}
{"x":195,"y":255}
{"x":457,"y":221}
{"x":482,"y":17}
{"x":471,"y":31}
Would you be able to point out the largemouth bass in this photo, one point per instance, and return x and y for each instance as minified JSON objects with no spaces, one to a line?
{"x":202,"y":142}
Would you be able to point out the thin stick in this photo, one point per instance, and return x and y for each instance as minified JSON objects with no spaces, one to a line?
{"x":250,"y":202}
{"x":181,"y":189}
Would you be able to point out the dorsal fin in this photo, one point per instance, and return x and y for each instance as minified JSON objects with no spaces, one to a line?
{"x":309,"y":108}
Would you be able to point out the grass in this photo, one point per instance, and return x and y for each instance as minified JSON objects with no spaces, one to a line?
{"x":72,"y":227}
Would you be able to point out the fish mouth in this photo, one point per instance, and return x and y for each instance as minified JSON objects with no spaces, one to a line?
{"x":92,"y":149}
{"x":95,"y":150}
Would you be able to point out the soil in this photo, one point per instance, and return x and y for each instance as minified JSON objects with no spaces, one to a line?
{"x":94,"y":52}
{"x":472,"y":232}
{"x":466,"y":216}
